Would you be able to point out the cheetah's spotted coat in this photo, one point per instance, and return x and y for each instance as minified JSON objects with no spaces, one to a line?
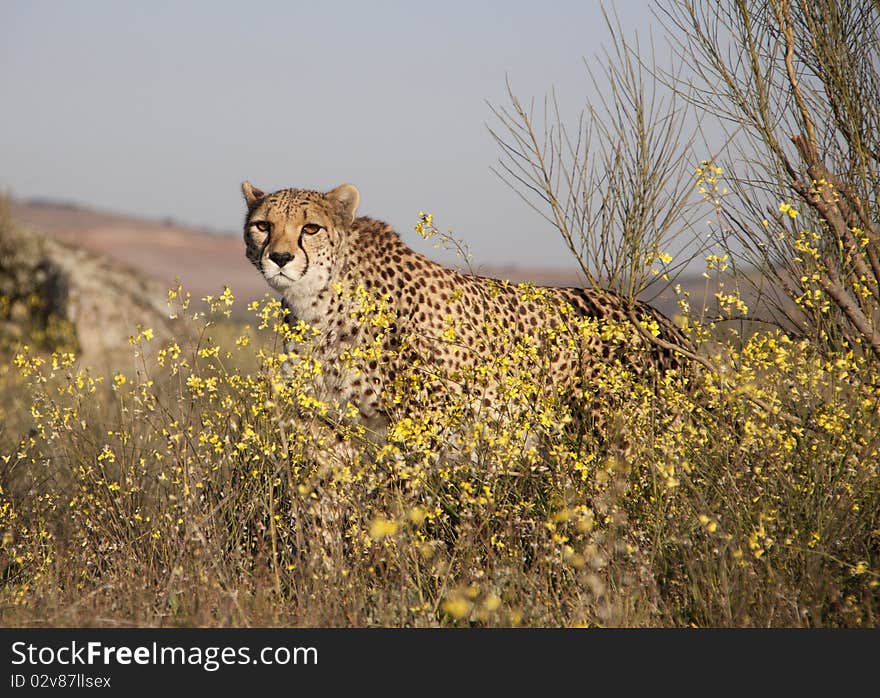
{"x":313,"y":250}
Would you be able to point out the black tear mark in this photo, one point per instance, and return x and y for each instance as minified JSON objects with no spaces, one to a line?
{"x":299,"y":243}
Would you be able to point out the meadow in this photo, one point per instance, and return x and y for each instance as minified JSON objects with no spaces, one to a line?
{"x":200,"y":485}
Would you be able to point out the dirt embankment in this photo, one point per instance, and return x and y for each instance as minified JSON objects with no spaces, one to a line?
{"x":56,"y":294}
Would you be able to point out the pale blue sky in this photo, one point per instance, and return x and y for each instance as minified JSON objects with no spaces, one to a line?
{"x":162,"y":108}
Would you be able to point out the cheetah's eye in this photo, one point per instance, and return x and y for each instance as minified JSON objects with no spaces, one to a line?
{"x":312,"y":228}
{"x":262,"y":226}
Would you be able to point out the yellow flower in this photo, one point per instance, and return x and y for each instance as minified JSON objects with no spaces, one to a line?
{"x":710,"y":525}
{"x":785,"y":207}
{"x":457,"y":606}
{"x":382,"y":528}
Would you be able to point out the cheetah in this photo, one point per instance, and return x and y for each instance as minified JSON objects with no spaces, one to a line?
{"x":313,"y":249}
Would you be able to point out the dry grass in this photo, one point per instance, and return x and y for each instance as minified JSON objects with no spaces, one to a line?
{"x":195,"y":489}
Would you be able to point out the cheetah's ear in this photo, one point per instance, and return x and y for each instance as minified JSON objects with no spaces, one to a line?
{"x":251,"y":193}
{"x":348,"y":198}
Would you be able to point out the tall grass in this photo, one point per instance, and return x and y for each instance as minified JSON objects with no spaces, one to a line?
{"x":205,"y":485}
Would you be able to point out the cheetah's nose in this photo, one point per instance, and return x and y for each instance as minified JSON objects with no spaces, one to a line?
{"x":280,"y":258}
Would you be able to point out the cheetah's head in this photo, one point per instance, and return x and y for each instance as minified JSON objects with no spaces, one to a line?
{"x":294,"y":236}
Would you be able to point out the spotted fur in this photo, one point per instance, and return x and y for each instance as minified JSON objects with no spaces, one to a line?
{"x":313,"y":250}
